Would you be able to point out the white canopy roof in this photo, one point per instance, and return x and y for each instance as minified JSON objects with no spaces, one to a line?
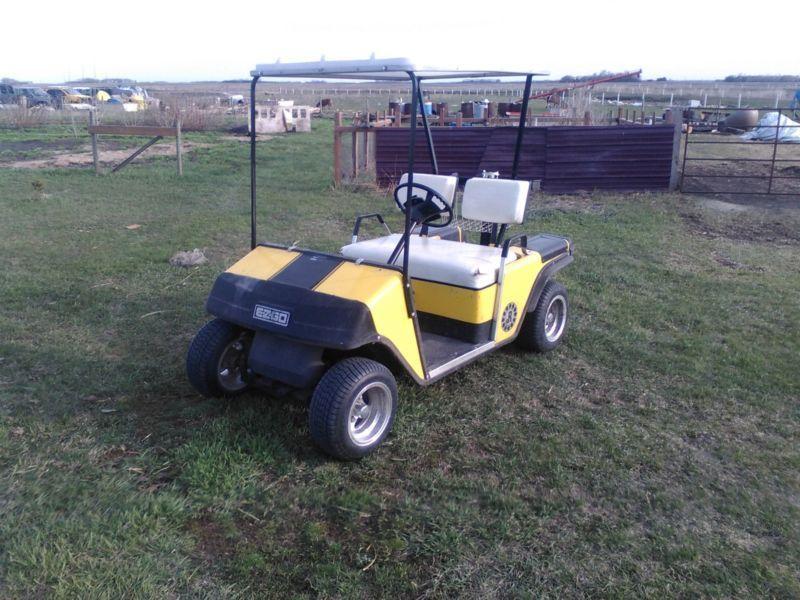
{"x":376,"y":69}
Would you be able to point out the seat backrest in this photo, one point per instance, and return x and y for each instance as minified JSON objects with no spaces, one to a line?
{"x":499,"y":201}
{"x":444,"y":184}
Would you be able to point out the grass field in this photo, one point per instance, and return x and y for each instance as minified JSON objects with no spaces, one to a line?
{"x":655,"y":454}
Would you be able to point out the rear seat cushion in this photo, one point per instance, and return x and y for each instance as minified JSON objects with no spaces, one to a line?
{"x":495,"y":200}
{"x":455,"y":263}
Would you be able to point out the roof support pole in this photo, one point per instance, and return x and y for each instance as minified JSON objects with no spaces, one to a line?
{"x":253,"y":161}
{"x":426,"y":125}
{"x":409,"y":193}
{"x":523,"y":115}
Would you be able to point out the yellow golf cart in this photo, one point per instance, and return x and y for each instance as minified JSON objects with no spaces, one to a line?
{"x":423,"y":301}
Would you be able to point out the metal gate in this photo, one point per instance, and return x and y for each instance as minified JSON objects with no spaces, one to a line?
{"x":719,"y":163}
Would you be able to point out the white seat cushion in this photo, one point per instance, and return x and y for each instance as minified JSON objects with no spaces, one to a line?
{"x":456,"y":263}
{"x":444,"y":184}
{"x":495,"y":200}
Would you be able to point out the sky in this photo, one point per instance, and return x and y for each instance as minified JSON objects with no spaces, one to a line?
{"x":165,"y":40}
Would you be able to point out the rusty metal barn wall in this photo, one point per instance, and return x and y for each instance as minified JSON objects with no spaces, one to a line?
{"x":566,"y":159}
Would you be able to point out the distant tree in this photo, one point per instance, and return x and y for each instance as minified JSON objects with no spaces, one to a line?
{"x":741,"y":78}
{"x":600,"y":75}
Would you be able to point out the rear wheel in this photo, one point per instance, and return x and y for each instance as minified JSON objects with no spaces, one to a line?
{"x":543,"y":329}
{"x":217,"y":359}
{"x":353,"y":407}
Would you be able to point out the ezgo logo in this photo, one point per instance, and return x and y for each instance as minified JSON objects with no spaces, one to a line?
{"x":271,"y":315}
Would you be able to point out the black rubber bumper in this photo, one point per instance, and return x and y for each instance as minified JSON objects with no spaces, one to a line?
{"x":292,"y":312}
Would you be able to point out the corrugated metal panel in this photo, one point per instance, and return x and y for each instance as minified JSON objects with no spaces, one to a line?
{"x":565,"y":158}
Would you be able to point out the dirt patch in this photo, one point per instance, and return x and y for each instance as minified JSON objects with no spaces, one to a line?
{"x":723,"y":207}
{"x":213,"y":543}
{"x":769,"y":230}
{"x":244,"y":137}
{"x":745,"y":183}
{"x":733,"y":264}
{"x":64,"y":160}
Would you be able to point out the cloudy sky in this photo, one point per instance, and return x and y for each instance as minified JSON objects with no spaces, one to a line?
{"x":164,"y":40}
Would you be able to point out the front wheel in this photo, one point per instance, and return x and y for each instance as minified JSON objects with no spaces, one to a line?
{"x":353,"y":407}
{"x":543,"y":329}
{"x":217,"y":359}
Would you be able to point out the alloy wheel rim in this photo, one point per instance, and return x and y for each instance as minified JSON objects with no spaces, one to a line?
{"x":555,"y":318}
{"x":370,"y":414}
{"x":231,"y":367}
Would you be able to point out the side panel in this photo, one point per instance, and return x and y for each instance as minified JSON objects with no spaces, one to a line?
{"x":520,"y":276}
{"x":471,"y":306}
{"x":382,"y":291}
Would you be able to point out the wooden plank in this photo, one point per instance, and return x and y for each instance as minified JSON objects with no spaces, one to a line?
{"x":145,"y":131}
{"x":128,"y":160}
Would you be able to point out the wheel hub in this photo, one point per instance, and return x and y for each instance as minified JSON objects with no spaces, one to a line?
{"x":555,"y":318}
{"x":231,"y":367}
{"x":370,"y":414}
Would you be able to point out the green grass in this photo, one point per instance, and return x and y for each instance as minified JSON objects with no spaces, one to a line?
{"x":654,"y":454}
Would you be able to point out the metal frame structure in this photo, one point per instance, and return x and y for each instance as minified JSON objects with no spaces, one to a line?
{"x":772,"y":161}
{"x":394,"y":69}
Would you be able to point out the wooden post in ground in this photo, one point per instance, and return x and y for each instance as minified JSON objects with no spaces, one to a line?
{"x":366,"y":149}
{"x":354,"y":152}
{"x":459,"y":119}
{"x":178,"y":146}
{"x":587,"y":118}
{"x":674,"y":178}
{"x":337,"y":149}
{"x":95,"y":158}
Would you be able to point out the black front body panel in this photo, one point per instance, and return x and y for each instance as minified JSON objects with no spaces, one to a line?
{"x":291,"y":312}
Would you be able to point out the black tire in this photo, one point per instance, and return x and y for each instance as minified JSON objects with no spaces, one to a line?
{"x":536,"y":332}
{"x":203,"y":361}
{"x":334,"y":398}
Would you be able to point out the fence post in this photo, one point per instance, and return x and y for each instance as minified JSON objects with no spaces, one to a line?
{"x":337,"y":149}
{"x":774,"y":152}
{"x":676,"y":153}
{"x":354,"y":151}
{"x":459,"y":119}
{"x":179,"y":144}
{"x":95,"y":158}
{"x":366,"y":148}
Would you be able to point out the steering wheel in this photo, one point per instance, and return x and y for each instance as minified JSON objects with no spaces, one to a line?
{"x":425,"y":210}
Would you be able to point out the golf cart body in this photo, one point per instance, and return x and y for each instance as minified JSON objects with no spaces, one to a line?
{"x":422,"y":300}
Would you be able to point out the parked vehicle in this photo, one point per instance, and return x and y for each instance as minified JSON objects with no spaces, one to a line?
{"x":7,"y":95}
{"x":64,"y":95}
{"x":36,"y":96}
{"x":424,"y":301}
